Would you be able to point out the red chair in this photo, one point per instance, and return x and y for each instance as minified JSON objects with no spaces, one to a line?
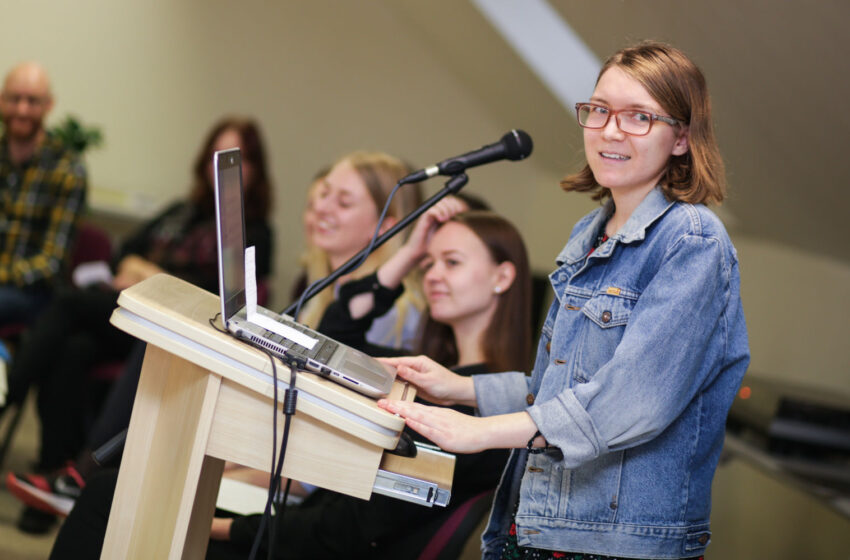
{"x":12,"y":332}
{"x":449,"y":540}
{"x":91,"y":245}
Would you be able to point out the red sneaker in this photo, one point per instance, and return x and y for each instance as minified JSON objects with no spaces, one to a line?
{"x":54,"y":494}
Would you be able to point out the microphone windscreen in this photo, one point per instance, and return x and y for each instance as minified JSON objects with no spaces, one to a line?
{"x":518,"y":144}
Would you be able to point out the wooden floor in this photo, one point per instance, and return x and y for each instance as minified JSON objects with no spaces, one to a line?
{"x":15,"y":545}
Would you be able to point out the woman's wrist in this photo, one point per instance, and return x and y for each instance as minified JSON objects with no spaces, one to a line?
{"x":392,"y":272}
{"x":513,"y":431}
{"x":464,"y":393}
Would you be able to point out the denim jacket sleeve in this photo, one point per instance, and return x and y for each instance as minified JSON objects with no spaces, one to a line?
{"x":674,"y":341}
{"x":506,"y":392}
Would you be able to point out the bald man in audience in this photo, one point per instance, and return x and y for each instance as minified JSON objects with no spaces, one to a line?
{"x":42,"y":191}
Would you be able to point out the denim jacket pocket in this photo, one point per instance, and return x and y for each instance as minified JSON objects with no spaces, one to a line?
{"x":609,"y":315}
{"x":609,"y":310}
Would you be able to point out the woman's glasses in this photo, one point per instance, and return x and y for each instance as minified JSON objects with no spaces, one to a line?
{"x":631,"y":121}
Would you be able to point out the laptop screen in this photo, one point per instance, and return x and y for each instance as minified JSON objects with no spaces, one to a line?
{"x":231,"y":231}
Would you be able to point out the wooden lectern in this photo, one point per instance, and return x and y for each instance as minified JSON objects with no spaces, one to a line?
{"x":205,"y":397}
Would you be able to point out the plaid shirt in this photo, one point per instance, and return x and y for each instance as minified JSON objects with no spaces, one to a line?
{"x":39,"y":205}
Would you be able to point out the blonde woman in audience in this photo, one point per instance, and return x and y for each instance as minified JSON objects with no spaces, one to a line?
{"x":345,"y":209}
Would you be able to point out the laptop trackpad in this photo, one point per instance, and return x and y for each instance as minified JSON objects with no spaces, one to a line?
{"x":364,"y":370}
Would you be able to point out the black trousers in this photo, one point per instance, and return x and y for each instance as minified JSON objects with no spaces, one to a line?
{"x":56,"y":355}
{"x":82,"y":534}
{"x":115,"y":413}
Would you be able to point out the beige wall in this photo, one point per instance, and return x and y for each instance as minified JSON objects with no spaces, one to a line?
{"x":797,"y":309}
{"x":323,"y":78}
{"x":796,"y":318}
{"x":326,"y":77}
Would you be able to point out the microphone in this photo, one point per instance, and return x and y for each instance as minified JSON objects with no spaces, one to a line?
{"x":515,"y":145}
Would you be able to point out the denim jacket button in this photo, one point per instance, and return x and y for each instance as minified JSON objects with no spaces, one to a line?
{"x":529,"y":398}
{"x":702,"y":539}
{"x":606,"y":316}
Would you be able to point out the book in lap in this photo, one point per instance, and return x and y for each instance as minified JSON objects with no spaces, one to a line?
{"x":279,"y":334}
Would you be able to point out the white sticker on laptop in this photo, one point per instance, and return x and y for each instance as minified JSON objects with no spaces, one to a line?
{"x":261,"y":320}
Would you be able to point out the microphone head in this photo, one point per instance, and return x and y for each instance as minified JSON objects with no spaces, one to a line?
{"x":518,"y":144}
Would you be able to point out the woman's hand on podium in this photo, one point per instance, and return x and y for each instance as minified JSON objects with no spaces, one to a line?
{"x":434,"y":382}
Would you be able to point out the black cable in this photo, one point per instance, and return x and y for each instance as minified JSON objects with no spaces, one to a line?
{"x":289,"y":404}
{"x":281,"y":505}
{"x":290,"y":399}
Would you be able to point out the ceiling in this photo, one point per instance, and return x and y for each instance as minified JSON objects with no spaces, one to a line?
{"x":772,"y":68}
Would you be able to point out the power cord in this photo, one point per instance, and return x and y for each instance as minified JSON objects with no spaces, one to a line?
{"x":289,"y":401}
{"x":289,"y":404}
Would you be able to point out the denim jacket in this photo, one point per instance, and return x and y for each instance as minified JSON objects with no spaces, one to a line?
{"x":641,"y":355}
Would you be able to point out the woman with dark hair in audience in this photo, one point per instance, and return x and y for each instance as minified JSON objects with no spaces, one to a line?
{"x":73,"y":334}
{"x":475,"y":277}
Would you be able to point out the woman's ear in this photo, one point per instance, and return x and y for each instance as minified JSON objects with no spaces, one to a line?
{"x":682,"y":144}
{"x":504,"y":278}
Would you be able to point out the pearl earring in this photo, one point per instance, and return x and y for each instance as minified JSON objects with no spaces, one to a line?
{"x":497,"y":289}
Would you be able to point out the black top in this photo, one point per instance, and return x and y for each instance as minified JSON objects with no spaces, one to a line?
{"x":338,"y":324}
{"x":182,"y":241}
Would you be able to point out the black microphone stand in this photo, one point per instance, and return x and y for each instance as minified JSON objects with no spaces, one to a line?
{"x":115,"y":445}
{"x":453,"y":185}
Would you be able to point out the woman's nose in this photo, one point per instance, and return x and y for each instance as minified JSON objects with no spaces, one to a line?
{"x":432,"y":274}
{"x":322,"y":204}
{"x":611,"y":130}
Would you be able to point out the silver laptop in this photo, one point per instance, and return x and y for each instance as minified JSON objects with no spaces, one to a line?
{"x":279,"y":334}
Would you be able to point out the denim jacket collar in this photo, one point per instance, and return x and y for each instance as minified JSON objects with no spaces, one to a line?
{"x":653,"y":206}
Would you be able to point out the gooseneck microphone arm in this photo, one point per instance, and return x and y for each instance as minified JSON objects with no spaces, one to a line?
{"x":453,"y":185}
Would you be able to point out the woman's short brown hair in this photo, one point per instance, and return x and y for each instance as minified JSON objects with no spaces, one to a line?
{"x":678,"y":85}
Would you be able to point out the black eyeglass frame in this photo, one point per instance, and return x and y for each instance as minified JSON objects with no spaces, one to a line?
{"x":652,"y":117}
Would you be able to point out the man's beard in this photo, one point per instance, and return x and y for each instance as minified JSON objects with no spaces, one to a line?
{"x":20,"y":133}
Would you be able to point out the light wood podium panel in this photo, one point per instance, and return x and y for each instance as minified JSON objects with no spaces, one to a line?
{"x":205,"y":397}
